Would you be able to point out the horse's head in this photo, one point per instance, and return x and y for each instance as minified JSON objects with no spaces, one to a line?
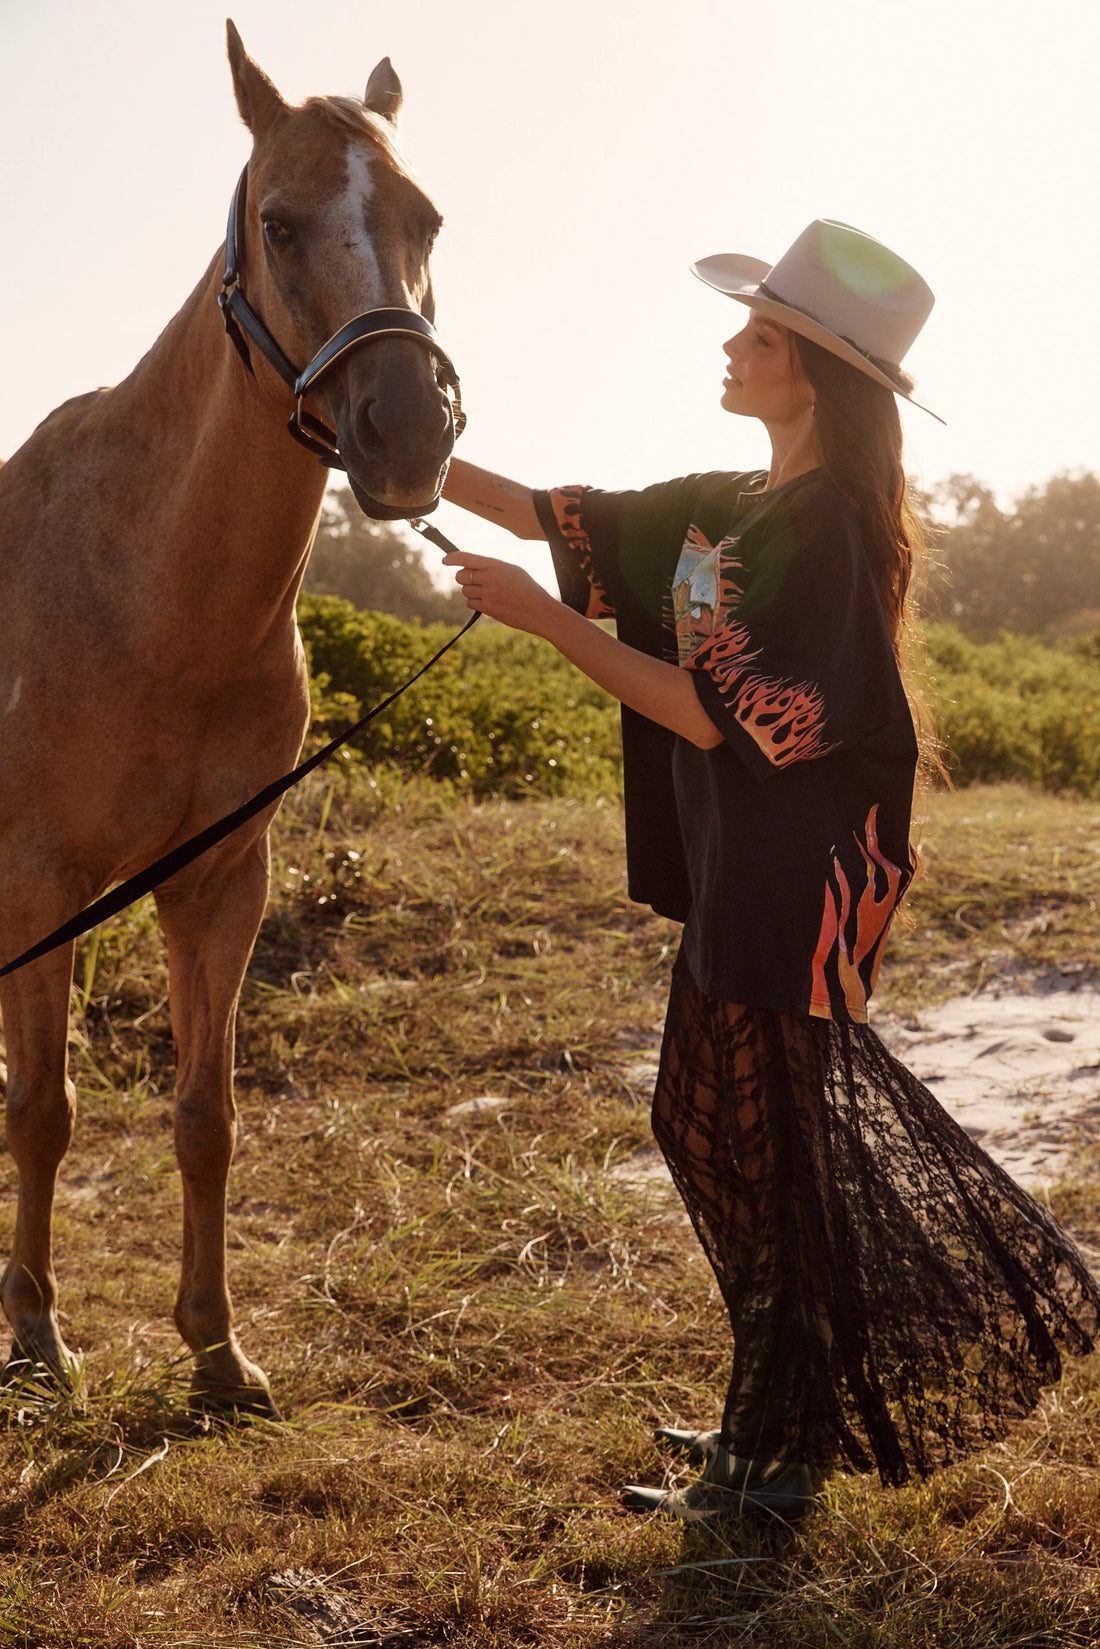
{"x":336,"y":225}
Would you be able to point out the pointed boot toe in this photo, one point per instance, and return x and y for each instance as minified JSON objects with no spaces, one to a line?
{"x":736,"y":1488}
{"x":699,"y":1446}
{"x":636,"y":1498}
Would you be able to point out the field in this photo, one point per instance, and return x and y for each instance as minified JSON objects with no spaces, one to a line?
{"x":472,"y":1313}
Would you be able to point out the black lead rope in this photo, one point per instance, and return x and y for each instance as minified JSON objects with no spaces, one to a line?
{"x":170,"y":863}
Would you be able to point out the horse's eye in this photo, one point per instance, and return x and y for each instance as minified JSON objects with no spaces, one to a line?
{"x":275,"y":233}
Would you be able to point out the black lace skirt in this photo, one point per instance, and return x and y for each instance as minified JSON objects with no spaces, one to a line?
{"x":896,"y":1299}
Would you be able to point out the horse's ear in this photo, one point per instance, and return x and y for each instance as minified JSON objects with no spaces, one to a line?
{"x":383,"y":93}
{"x":257,"y":98}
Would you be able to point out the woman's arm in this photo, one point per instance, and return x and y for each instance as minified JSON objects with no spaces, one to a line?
{"x":663,"y":692}
{"x":506,"y":503}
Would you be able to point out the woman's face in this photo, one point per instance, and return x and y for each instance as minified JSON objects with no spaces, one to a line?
{"x":765,"y":378}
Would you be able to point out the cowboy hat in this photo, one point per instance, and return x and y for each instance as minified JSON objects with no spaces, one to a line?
{"x":839,"y":288}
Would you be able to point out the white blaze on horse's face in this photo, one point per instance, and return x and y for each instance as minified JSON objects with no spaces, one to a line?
{"x":379,"y":233}
{"x":372,"y":244}
{"x":344,"y":228}
{"x":350,"y":221}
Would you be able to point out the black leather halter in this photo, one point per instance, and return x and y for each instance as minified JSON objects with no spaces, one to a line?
{"x":240,"y":317}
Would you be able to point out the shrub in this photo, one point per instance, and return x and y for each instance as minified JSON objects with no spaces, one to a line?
{"x":502,"y":714}
{"x":1016,"y":708}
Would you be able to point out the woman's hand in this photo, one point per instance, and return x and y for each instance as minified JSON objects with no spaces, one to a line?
{"x":503,"y":591}
{"x":661,"y":691}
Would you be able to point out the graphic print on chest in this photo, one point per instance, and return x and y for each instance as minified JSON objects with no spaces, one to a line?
{"x":785,"y":717}
{"x":703,"y":589}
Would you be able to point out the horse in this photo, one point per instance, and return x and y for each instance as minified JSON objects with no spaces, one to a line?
{"x":153,"y":537}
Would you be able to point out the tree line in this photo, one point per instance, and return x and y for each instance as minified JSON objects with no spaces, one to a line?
{"x":376,"y":565}
{"x":1033,"y":568}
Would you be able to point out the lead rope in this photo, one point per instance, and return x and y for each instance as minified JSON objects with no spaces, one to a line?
{"x":179,"y":857}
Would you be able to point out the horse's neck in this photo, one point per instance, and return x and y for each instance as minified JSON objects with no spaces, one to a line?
{"x":230,"y":498}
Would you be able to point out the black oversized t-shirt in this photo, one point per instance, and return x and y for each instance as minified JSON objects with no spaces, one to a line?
{"x":785,"y":849}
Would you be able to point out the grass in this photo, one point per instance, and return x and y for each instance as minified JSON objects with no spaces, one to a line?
{"x":1010,"y":890}
{"x":472,"y":1318}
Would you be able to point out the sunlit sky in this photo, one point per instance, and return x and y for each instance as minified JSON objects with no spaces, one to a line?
{"x":584,"y":154}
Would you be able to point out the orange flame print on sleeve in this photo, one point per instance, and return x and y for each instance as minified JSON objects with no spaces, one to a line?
{"x":857,"y":963}
{"x":566,"y":504}
{"x":786,"y":719}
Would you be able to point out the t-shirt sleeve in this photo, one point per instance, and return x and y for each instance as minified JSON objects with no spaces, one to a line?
{"x":614,"y":552}
{"x":800,"y":663}
{"x":584,"y":543}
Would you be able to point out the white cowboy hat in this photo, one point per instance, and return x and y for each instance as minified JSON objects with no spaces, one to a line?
{"x":839,"y":288}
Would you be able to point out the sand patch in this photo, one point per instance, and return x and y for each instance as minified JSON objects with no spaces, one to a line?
{"x":1020,"y":1072}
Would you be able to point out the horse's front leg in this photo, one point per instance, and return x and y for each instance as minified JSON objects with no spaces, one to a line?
{"x":40,"y":1113}
{"x":210,"y":915}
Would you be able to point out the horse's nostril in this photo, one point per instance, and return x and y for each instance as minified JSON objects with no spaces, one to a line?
{"x":371,"y":438}
{"x":403,"y":429}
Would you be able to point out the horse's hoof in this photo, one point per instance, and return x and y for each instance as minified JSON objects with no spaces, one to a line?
{"x":38,"y":1373}
{"x":28,"y":1371}
{"x":235,"y":1405}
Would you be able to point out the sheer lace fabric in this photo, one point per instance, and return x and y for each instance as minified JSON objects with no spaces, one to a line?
{"x":896,"y":1299}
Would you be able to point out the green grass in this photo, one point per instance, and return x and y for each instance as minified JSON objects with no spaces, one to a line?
{"x":471,"y":1318}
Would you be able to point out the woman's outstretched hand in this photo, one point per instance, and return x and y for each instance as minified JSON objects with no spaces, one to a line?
{"x":503,"y":591}
{"x":659,"y":690}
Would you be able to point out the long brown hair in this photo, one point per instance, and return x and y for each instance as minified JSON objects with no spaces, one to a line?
{"x":860,"y":442}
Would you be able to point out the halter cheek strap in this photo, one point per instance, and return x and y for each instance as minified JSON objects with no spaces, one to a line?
{"x":240,"y":318}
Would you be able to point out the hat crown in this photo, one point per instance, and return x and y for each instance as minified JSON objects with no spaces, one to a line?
{"x":854,"y":286}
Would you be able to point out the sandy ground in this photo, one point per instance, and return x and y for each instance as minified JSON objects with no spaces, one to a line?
{"x":1020,"y":1071}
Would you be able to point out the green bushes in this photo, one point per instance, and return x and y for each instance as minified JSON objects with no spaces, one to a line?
{"x":503,"y":714}
{"x":1016,"y":708}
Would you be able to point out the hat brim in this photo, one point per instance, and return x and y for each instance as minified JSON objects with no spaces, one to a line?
{"x":740,"y":277}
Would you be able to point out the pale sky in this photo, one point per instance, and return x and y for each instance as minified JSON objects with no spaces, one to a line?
{"x":583,"y":154}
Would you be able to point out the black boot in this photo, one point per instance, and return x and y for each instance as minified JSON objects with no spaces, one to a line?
{"x":729,"y":1486}
{"x":699,"y":1446}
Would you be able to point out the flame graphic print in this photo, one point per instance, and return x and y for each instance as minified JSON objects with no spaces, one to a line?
{"x":566,"y":504}
{"x":856,"y":960}
{"x":784,"y":718}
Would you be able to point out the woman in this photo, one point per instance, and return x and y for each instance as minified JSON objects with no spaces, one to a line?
{"x":895,"y":1298}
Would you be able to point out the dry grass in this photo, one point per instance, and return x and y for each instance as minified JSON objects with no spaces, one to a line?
{"x":471,"y":1320}
{"x":1010,"y":891}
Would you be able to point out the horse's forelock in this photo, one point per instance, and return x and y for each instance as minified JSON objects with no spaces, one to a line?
{"x":350,"y":113}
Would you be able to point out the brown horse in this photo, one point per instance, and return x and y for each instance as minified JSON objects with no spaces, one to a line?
{"x":152,"y":540}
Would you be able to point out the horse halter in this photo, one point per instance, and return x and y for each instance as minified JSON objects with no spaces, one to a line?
{"x":240,"y":317}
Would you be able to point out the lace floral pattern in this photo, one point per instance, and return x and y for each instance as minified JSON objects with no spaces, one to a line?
{"x":896,"y":1299}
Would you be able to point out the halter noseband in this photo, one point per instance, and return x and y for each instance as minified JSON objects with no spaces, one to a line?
{"x":240,"y":317}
